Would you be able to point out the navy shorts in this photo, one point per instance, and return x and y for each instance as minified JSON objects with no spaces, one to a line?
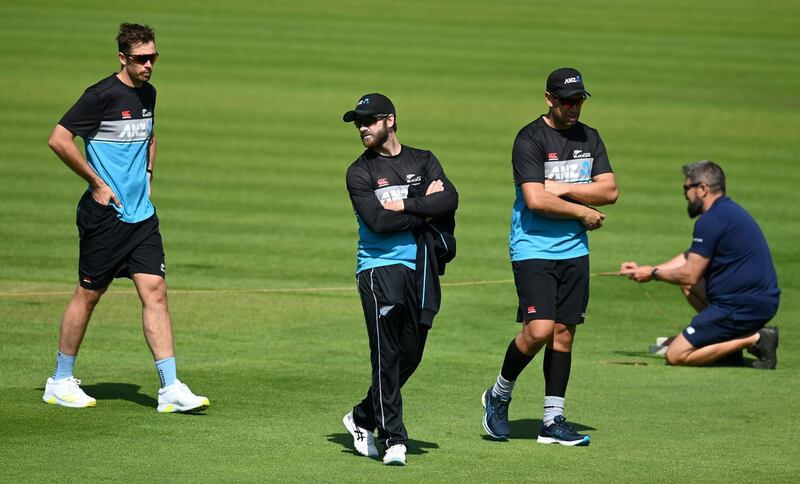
{"x":552,"y":289}
{"x":111,"y":248}
{"x":715,"y":324}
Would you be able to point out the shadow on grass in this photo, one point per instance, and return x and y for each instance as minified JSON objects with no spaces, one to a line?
{"x":124,"y":391}
{"x":414,"y":447}
{"x":528,"y":429}
{"x":120,"y":391}
{"x":733,"y":359}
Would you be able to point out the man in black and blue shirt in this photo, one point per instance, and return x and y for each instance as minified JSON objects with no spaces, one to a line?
{"x":727,"y":275}
{"x":117,"y":224}
{"x":561,"y":170}
{"x":401,"y":198}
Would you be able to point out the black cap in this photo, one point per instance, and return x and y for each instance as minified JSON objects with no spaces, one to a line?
{"x":370,"y":105}
{"x":565,"y":83}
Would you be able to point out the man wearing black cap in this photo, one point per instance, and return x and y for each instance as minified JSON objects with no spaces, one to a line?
{"x":561,"y":170}
{"x":400,"y":194}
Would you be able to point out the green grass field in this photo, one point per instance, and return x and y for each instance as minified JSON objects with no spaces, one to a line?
{"x":260,"y":236}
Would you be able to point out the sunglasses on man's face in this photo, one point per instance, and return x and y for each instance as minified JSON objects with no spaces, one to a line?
{"x":571,"y":101}
{"x":688,"y":187}
{"x":143,"y":58}
{"x":369,"y":120}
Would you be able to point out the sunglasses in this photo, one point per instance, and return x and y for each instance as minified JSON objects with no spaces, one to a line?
{"x":143,"y":58}
{"x":369,"y":120}
{"x":572,"y":101}
{"x":688,"y":187}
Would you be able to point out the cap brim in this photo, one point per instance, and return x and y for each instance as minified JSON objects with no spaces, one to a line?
{"x":349,"y":116}
{"x":573,"y":92}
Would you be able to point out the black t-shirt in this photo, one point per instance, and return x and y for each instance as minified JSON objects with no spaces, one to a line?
{"x":385,"y":236}
{"x":116,"y":123}
{"x":573,"y":155}
{"x":540,"y":152}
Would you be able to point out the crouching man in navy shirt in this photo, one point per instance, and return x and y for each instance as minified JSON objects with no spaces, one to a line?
{"x":727,"y":275}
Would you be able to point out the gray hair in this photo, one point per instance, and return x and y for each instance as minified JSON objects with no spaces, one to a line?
{"x":708,"y":172}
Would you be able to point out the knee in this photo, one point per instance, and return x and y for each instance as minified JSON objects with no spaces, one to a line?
{"x":155,"y":297}
{"x":88,"y":298}
{"x":675,"y":358}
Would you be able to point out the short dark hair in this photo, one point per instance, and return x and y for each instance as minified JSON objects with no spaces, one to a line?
{"x":133,"y":34}
{"x":708,"y":172}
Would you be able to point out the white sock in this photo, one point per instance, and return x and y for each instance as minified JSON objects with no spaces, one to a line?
{"x":503,"y":387}
{"x":553,"y":407}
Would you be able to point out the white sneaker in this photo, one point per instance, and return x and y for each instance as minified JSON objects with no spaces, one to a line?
{"x":395,"y":455}
{"x":178,"y":398}
{"x":363,"y":439}
{"x":67,"y":393}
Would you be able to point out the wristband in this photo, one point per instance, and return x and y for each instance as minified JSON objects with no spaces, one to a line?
{"x":150,"y":172}
{"x":653,"y":274}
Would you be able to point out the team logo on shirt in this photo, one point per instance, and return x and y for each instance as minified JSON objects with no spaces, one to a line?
{"x":382,"y":182}
{"x":552,"y":156}
{"x":411,"y":178}
{"x":531,"y":309}
{"x":126,"y":114}
{"x":580,"y":154}
{"x":146,"y":113}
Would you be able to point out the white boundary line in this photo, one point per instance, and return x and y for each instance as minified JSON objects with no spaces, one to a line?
{"x":268,"y":290}
{"x":264,"y":290}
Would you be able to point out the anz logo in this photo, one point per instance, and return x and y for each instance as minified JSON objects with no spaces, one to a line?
{"x":392,"y":194}
{"x":572,"y":171}
{"x":134,"y":130}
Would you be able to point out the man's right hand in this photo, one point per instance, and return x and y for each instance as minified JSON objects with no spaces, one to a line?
{"x":104,"y":195}
{"x":592,"y":219}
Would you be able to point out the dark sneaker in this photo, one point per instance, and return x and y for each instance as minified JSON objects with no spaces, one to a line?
{"x":495,"y":417}
{"x":766,"y":350}
{"x":560,"y":432}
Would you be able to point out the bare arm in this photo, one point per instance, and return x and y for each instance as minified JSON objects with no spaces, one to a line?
{"x":602,"y":190}
{"x":672,"y":271}
{"x":151,"y":161}
{"x":538,"y":199}
{"x":62,"y":143}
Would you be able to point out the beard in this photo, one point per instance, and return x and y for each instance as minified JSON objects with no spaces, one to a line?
{"x":694,"y":207}
{"x":378,"y":138}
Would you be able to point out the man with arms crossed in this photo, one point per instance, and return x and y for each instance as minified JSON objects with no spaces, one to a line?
{"x":117,"y":224}
{"x":560,"y":170}
{"x":396,"y":190}
{"x":727,"y":275}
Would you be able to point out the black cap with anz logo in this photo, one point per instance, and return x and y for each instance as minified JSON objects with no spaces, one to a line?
{"x":566,"y":83}
{"x":370,"y":105}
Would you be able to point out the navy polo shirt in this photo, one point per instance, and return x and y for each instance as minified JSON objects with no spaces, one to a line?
{"x":740,"y":276}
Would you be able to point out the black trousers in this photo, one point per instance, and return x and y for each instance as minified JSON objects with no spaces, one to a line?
{"x":396,"y":342}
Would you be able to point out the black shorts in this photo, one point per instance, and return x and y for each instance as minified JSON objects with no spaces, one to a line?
{"x":112,"y":248}
{"x":552,"y":289}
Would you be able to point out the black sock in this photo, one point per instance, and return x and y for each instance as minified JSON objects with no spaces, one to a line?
{"x":514,"y":362}
{"x":556,"y":368}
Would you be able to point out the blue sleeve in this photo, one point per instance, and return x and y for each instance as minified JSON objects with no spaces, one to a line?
{"x":708,"y":231}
